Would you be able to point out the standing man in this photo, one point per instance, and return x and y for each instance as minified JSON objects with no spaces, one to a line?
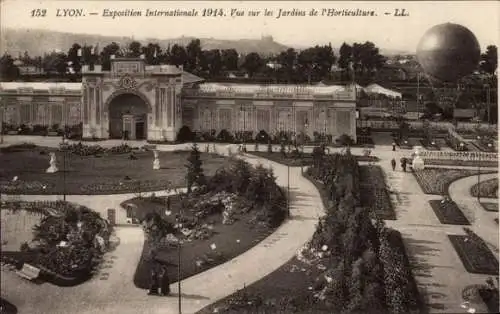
{"x":393,"y":146}
{"x":154,"y":283}
{"x":393,"y":164}
{"x":164,"y":281}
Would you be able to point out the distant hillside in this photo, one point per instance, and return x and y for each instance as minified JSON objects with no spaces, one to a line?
{"x":37,"y":42}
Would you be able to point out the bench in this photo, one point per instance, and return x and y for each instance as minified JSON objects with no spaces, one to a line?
{"x":29,"y":272}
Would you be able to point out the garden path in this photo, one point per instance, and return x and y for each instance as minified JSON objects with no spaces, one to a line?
{"x":117,"y":293}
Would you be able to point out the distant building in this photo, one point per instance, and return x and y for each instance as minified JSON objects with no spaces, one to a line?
{"x":154,"y":102}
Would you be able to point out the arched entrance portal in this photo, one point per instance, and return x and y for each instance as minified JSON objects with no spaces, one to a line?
{"x":128,"y":117}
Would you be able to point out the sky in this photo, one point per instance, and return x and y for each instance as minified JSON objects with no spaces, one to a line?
{"x":386,"y":31}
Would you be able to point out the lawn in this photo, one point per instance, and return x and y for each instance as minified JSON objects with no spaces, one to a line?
{"x":437,"y":180}
{"x":230,"y":240}
{"x":476,"y":256}
{"x":306,"y":159}
{"x":107,"y":174}
{"x":374,"y":192}
{"x":490,"y":207}
{"x":488,"y":188}
{"x":448,"y":212}
{"x":16,"y":227}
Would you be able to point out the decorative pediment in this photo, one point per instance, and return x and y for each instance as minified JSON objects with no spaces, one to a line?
{"x":127,"y":82}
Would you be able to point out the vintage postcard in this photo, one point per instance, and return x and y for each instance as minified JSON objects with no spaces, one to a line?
{"x":249,"y":157}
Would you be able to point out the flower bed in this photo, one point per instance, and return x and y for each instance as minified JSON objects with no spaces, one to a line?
{"x":437,"y":180}
{"x":488,"y":188}
{"x":68,"y":242}
{"x":475,"y":255}
{"x":491,"y":207}
{"x":125,"y":186}
{"x":295,"y":159}
{"x":374,"y":192}
{"x":433,"y":145}
{"x":405,"y":143}
{"x":463,"y":163}
{"x":448,"y":212}
{"x":491,"y":299}
{"x":18,"y":148}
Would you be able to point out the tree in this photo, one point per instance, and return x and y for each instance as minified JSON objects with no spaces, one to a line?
{"x":106,"y":53}
{"x":229,"y":59}
{"x":195,"y":175}
{"x":8,"y":71}
{"x":211,"y":61}
{"x":193,"y":52}
{"x":253,"y":62}
{"x":74,"y":58}
{"x":345,"y":58}
{"x":152,"y":53}
{"x":288,"y":60}
{"x":135,"y":49}
{"x":366,"y":59}
{"x":178,"y":55}
{"x":489,"y":60}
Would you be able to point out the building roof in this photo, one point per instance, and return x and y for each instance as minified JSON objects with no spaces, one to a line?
{"x":188,"y":78}
{"x":40,"y":85}
{"x":274,"y":89}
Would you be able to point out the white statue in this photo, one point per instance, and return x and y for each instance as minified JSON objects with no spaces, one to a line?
{"x":418,"y":162}
{"x":53,"y":163}
{"x":156,"y":162}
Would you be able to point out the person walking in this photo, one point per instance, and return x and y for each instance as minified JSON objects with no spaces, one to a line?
{"x":164,"y":281}
{"x":393,"y":164}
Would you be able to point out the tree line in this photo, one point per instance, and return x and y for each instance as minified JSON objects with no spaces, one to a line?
{"x":359,"y":61}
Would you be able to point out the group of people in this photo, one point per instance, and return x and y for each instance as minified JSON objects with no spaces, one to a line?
{"x":404,"y":163}
{"x":160,"y":282}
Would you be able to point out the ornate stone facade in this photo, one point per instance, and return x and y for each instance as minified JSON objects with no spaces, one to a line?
{"x":154,"y":102}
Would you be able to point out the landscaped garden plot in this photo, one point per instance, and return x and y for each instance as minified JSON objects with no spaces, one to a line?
{"x":436,"y":180}
{"x":491,"y":207}
{"x":375,"y":193}
{"x":488,"y":188}
{"x":297,"y":159}
{"x":475,"y":254}
{"x":66,"y":244}
{"x":236,"y":208}
{"x":447,"y":212}
{"x":348,"y":252}
{"x":109,"y":173}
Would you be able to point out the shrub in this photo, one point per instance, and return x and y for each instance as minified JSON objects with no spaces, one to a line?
{"x":345,"y":140}
{"x":195,"y":173}
{"x":262,"y":137}
{"x":185,"y":134}
{"x":225,"y":136}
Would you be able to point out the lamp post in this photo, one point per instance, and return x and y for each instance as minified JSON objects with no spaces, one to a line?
{"x":479,"y":174}
{"x":288,"y":191}
{"x":243,"y":112}
{"x":179,"y":225}
{"x":64,"y":175}
{"x":488,"y":100}
{"x":303,"y":146}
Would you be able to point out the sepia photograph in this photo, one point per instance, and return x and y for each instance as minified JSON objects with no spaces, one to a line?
{"x":198,"y":157}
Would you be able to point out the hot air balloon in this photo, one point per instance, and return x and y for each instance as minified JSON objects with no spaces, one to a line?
{"x":447,"y":53}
